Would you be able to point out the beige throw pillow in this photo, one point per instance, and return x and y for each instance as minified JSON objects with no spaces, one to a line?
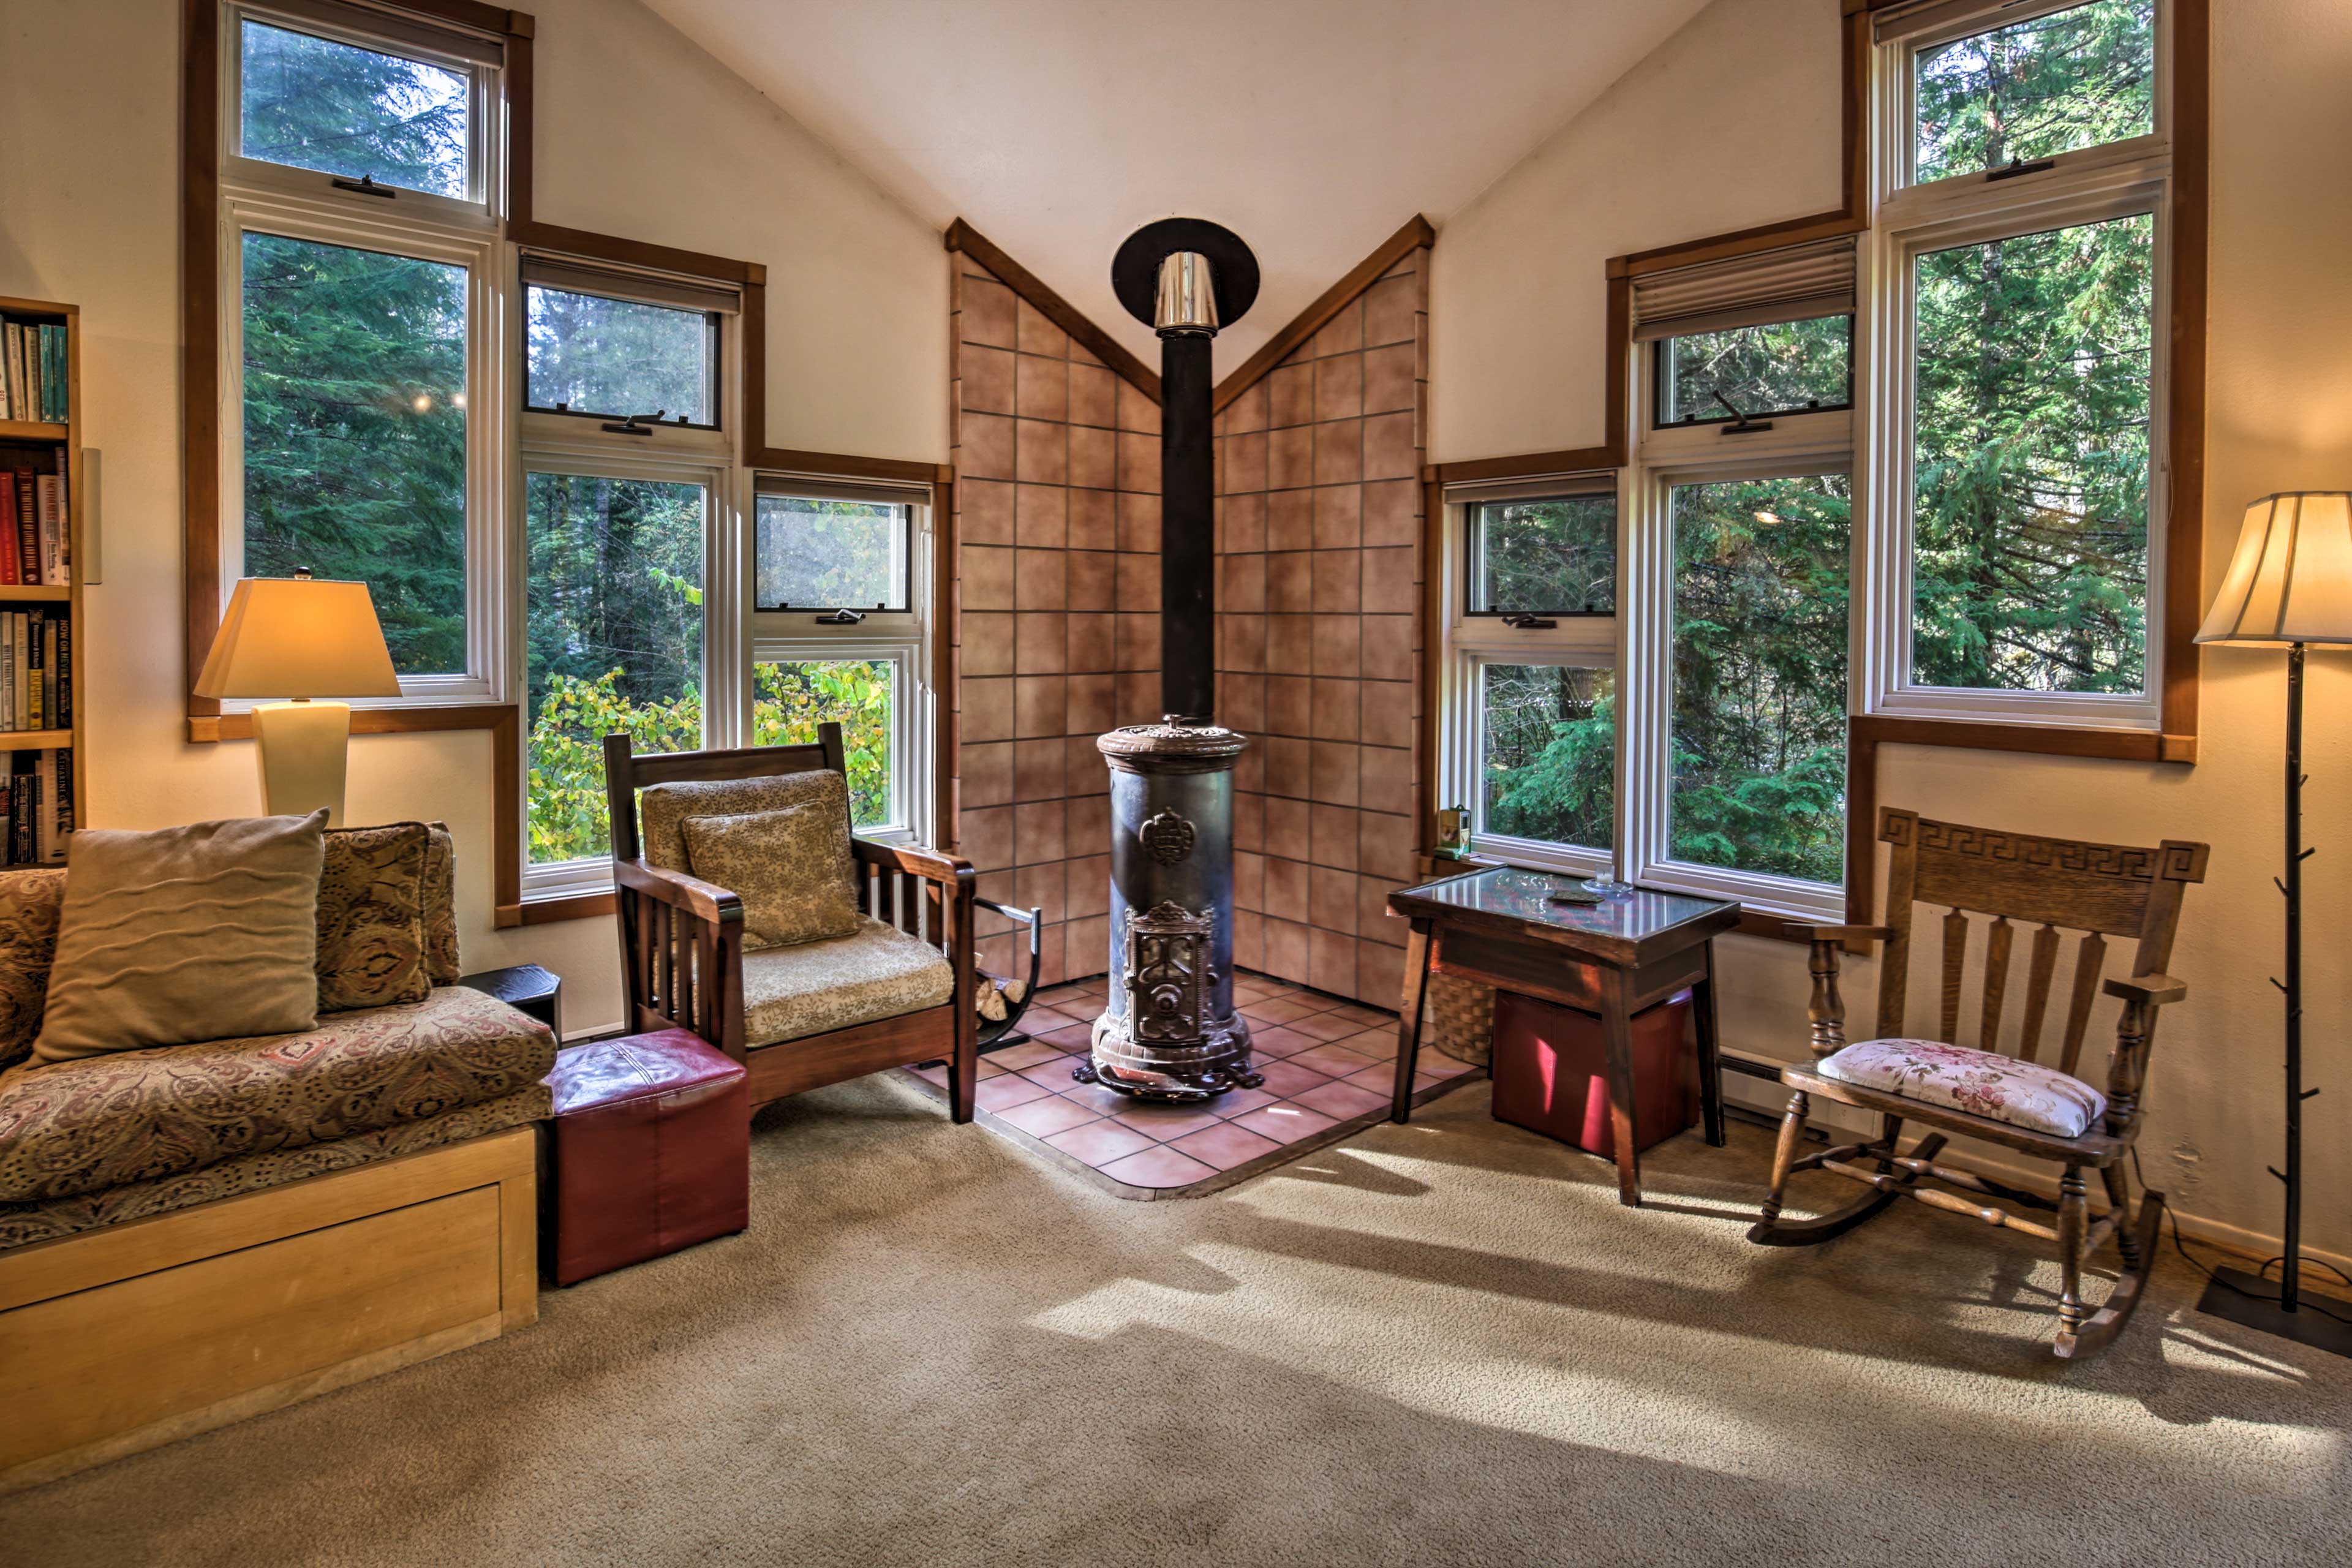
{"x":203,"y":932}
{"x":371,"y":938}
{"x":791,"y":867}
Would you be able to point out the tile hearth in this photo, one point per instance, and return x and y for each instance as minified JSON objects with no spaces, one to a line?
{"x":1330,"y":1067}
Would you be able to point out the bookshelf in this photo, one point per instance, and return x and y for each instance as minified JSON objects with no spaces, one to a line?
{"x":52,"y":446}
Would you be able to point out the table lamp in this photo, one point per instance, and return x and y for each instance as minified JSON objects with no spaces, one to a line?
{"x":299,"y":638}
{"x":2290,"y":583}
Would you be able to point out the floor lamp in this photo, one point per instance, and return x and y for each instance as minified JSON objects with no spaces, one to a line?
{"x":2290,"y":583}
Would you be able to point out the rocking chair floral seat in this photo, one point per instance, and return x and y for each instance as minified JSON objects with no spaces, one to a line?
{"x":2013,"y":1102}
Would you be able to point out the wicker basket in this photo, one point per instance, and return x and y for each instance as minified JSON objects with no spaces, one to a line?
{"x":1458,"y":1018}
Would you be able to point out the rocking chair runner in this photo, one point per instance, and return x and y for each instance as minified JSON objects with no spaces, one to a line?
{"x":682,"y":952}
{"x":2101,"y":890}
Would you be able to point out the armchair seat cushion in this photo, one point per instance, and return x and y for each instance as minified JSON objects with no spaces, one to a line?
{"x":814,"y":987}
{"x":1982,"y":1083}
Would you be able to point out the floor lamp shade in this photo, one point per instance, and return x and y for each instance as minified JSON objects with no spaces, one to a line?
{"x":300,"y":639}
{"x":2290,"y":579}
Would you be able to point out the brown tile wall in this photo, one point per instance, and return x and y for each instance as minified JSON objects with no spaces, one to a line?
{"x":1318,"y":640}
{"x":1056,"y":613}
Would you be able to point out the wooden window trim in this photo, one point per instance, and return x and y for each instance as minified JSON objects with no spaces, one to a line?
{"x":2175,"y":739}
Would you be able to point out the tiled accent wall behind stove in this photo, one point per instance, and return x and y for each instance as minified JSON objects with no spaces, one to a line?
{"x":1318,"y":640}
{"x":1057,"y":624}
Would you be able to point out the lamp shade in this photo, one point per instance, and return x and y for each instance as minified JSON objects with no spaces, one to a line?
{"x":301,"y":637}
{"x":2290,"y":580}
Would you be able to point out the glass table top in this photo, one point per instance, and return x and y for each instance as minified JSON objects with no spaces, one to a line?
{"x":1507,"y":893}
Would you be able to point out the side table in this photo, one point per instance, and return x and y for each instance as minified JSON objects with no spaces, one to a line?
{"x":527,"y":988}
{"x":1611,"y":959}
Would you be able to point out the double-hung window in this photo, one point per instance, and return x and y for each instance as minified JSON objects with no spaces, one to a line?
{"x":360,"y":280}
{"x":631,"y":594}
{"x":2019,"y":260}
{"x":839,"y":571}
{"x":1530,"y":582}
{"x":1740,"y":506}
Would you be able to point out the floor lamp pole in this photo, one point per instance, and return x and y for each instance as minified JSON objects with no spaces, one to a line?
{"x":2291,"y":1270}
{"x":2234,"y":1294}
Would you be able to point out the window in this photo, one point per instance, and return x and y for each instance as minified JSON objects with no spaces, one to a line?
{"x":2019,"y":253}
{"x":815,"y":553}
{"x":355,"y":432}
{"x":838,"y":568}
{"x":362,"y":265}
{"x":1756,"y":372}
{"x":1531,"y":591}
{"x":1544,"y":556}
{"x":615,"y":639}
{"x":1758,"y":732}
{"x":609,"y":346}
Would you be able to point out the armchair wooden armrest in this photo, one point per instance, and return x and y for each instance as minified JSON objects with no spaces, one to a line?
{"x":915,"y":859}
{"x":2153,"y":990}
{"x":704,"y":901}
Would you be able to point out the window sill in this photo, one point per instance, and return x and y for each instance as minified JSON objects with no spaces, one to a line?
{"x":555,"y":910}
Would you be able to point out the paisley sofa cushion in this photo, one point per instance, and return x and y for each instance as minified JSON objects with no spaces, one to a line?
{"x":75,"y":1127}
{"x":372,"y":917}
{"x":790,"y":993}
{"x":2023,"y":1094}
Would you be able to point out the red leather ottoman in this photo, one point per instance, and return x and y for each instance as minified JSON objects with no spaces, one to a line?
{"x":651,"y":1151}
{"x":1551,"y":1072}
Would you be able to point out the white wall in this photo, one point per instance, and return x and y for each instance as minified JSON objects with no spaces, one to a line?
{"x":1518,"y":312}
{"x":640,"y":134}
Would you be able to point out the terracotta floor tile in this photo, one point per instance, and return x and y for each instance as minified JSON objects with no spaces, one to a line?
{"x":1285,"y":1123}
{"x":938,"y":1075}
{"x":1333,"y":1061}
{"x":1158,"y":1167}
{"x":1076,"y":1038}
{"x":1324,"y":1026}
{"x":1100,"y":1142}
{"x":1379,"y":1044}
{"x":1277,"y":1041}
{"x":1382,"y":1079}
{"x":1341,"y":1100}
{"x":1365,"y":1015}
{"x":1281,"y":1010}
{"x":1437,"y":1064}
{"x":1016,"y":1058}
{"x":1043,"y":1020}
{"x":1226,"y":1146}
{"x":1007,"y":1091}
{"x":1165,"y":1122}
{"x":1287,"y":1080}
{"x":1054,"y":1072}
{"x":1240,"y":1102}
{"x":1102,"y":1101}
{"x":1047,"y":1115}
{"x":1061,"y":995}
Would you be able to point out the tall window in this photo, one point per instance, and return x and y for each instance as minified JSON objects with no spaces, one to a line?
{"x":629,"y":533}
{"x":838,"y":570}
{"x":356,"y":227}
{"x":2019,"y":246}
{"x":1532,"y":593}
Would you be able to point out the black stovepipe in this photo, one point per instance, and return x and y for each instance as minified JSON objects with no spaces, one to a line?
{"x":1188,"y":681}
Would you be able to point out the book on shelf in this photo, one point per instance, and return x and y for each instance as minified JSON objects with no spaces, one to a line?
{"x":37,"y":807}
{"x":33,"y":371}
{"x":37,"y":669}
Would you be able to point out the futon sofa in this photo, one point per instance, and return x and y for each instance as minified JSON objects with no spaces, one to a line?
{"x":330,"y":1203}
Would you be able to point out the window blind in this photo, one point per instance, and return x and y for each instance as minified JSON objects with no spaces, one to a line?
{"x":1793,"y":284}
{"x":577,"y":276}
{"x":874,"y":492}
{"x":1547,"y":487}
{"x":1974,"y":15}
{"x":394,"y":25}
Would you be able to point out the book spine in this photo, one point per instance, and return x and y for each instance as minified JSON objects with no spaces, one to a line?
{"x":66,"y":818}
{"x":49,"y":673}
{"x":20,"y":816}
{"x":64,"y":669}
{"x":45,"y":832}
{"x":7,"y":527}
{"x":18,"y":634}
{"x":52,"y":513}
{"x":7,"y":378}
{"x":29,"y":548}
{"x":61,"y":408}
{"x":15,"y":335}
{"x":36,"y":716}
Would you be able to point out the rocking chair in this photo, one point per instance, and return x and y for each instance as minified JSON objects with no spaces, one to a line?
{"x":2101,"y":890}
{"x":897,"y":993}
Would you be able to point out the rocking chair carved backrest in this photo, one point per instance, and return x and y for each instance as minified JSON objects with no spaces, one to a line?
{"x":2052,"y":884}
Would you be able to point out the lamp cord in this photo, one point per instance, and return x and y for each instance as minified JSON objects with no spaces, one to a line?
{"x":2305,"y":1303}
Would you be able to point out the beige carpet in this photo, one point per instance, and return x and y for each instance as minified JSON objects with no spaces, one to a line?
{"x":1443,"y":1343}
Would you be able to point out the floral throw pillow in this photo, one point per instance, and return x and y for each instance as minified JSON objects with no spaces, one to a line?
{"x":372,"y":948}
{"x":789,"y":865}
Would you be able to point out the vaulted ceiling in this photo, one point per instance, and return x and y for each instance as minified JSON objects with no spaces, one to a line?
{"x":1312,"y":128}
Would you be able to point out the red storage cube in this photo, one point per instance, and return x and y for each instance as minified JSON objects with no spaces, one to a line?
{"x":1551,"y":1065}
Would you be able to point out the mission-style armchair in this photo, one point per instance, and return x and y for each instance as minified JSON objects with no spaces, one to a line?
{"x":899,"y":989}
{"x":2100,"y":891}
